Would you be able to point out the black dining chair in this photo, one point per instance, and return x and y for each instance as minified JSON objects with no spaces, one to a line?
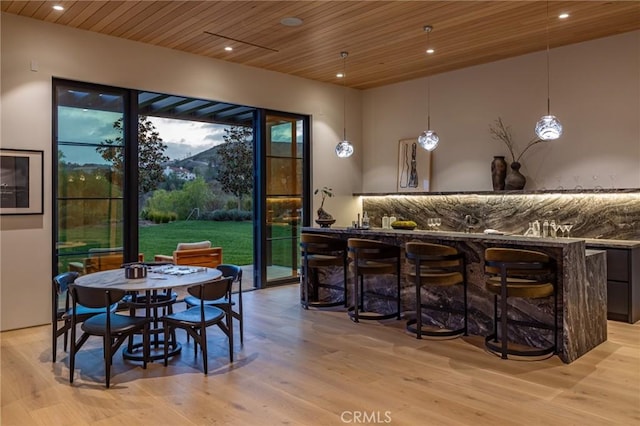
{"x":62,"y":314}
{"x":197,"y":319}
{"x":112,"y":327}
{"x":235,"y":272}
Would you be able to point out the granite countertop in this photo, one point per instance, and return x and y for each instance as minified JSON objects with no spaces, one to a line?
{"x":590,"y":242}
{"x":623,"y":244}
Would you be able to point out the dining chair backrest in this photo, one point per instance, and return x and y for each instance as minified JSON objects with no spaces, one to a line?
{"x":232,"y":271}
{"x":212,"y":290}
{"x":60,"y":286}
{"x":95,"y":297}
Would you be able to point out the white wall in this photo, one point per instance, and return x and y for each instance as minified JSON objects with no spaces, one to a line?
{"x":595,"y":92}
{"x":25,"y":242}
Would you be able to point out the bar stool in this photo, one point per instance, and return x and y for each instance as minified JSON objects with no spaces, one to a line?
{"x":513,"y":273}
{"x":322,"y":251}
{"x":368,"y":258}
{"x":435,"y":265}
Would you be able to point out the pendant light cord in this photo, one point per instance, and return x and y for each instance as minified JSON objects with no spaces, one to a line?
{"x":548,"y":66}
{"x":428,"y":29}
{"x":344,"y":94}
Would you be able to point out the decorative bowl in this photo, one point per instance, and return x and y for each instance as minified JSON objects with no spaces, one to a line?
{"x":325,"y":223}
{"x":404,"y":224}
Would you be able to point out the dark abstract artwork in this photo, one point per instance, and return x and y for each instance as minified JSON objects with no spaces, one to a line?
{"x":20,"y":181}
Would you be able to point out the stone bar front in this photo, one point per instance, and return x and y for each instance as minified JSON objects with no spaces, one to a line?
{"x":581,"y":286}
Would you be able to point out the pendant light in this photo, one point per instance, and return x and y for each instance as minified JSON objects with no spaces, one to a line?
{"x":548,"y":127}
{"x":428,"y":139}
{"x":344,"y":148}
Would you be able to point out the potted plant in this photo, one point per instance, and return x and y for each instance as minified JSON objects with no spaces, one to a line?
{"x":325,"y":220}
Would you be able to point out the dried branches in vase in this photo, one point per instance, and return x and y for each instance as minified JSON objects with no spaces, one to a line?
{"x":501,"y":132}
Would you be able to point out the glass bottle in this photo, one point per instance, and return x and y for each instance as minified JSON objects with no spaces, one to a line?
{"x":385,"y":221}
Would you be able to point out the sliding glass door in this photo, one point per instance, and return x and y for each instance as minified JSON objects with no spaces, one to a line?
{"x":238,"y":176}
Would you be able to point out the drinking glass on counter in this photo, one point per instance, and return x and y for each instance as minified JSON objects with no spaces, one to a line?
{"x":566,"y":228}
{"x":434,"y":223}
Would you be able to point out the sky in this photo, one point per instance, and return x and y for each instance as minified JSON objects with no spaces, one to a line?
{"x":186,"y":138}
{"x":183,"y":138}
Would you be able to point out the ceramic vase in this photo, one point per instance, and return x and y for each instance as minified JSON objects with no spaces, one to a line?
{"x":498,"y":173}
{"x":515,"y":179}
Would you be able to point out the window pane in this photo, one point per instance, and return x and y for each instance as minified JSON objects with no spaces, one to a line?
{"x":94,"y":177}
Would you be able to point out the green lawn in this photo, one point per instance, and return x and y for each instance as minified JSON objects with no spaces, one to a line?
{"x":236,"y":238}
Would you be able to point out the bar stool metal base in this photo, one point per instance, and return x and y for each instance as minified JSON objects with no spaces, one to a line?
{"x":494,"y":346}
{"x":444,"y":332}
{"x":370,"y":316}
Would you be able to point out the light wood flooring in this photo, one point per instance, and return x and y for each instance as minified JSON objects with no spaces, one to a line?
{"x":314,"y":368}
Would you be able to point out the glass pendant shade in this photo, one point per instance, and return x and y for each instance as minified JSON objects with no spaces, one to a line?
{"x":344,"y":149}
{"x":548,"y":128}
{"x":428,"y":140}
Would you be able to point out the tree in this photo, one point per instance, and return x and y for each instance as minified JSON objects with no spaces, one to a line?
{"x":236,"y":162}
{"x":150,"y":153}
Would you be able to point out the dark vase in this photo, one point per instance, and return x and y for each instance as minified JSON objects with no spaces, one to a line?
{"x":498,"y":173}
{"x":515,"y":179}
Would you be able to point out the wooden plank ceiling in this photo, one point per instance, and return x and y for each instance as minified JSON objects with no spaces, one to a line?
{"x":385,"y":39}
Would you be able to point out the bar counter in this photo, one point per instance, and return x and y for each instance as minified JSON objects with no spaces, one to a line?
{"x":581,"y":285}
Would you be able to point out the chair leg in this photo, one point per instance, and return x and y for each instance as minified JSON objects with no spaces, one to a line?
{"x":495,"y":318}
{"x":72,"y":350}
{"x":54,"y":341}
{"x":398,"y":300}
{"x":418,"y":309}
{"x":107,"y":360}
{"x":503,"y":323}
{"x":345,"y":267}
{"x":230,"y":327}
{"x":241,"y":319}
{"x":203,"y":345}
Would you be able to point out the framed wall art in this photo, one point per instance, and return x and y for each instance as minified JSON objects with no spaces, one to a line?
{"x":21,"y":181}
{"x":414,"y":167}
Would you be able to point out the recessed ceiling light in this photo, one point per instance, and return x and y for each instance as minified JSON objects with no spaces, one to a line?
{"x":228,"y":48}
{"x":340,"y":75}
{"x":563,"y":15}
{"x":430,"y":51}
{"x":58,"y":7}
{"x":291,"y":21}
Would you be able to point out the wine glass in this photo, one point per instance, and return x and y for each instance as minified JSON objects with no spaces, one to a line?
{"x":430,"y":223}
{"x":437,"y":221}
{"x":567,"y":228}
{"x":554,"y":228}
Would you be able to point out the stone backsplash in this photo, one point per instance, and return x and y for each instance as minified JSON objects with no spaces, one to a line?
{"x":611,"y":214}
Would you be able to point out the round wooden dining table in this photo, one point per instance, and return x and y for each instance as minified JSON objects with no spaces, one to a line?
{"x":165,"y":277}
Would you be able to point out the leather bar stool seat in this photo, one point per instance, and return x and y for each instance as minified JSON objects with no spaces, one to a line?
{"x":433,"y":266}
{"x":321,"y":251}
{"x":373,"y":258}
{"x":514,"y":273}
